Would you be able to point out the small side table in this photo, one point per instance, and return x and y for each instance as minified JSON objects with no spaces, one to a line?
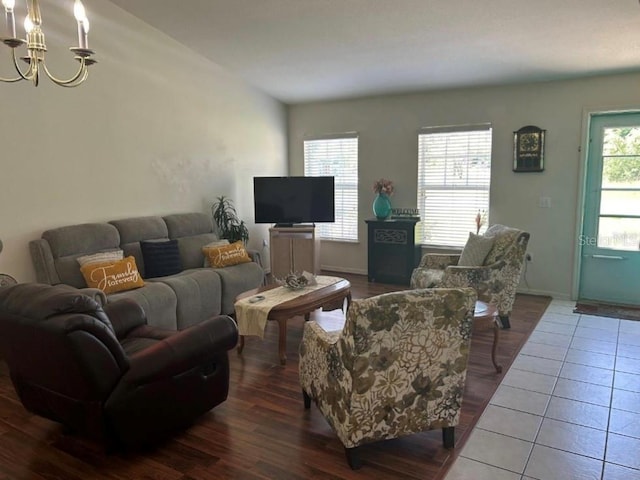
{"x":486,"y":311}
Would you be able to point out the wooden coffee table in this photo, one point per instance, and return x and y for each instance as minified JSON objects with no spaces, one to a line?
{"x":330,"y":297}
{"x":486,"y":311}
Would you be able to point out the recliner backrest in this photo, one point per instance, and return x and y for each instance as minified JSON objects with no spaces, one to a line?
{"x":59,"y":340}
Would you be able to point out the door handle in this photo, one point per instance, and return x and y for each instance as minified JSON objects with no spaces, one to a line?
{"x":609,"y":257}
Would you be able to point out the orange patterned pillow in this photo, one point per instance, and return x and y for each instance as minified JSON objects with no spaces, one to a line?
{"x":226,"y":255}
{"x":113,"y":277}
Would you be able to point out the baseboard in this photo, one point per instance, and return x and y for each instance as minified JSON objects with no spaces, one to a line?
{"x":340,"y":269}
{"x":546,"y":293}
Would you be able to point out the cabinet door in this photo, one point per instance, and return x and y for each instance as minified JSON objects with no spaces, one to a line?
{"x":303,"y":255}
{"x":281,"y":262}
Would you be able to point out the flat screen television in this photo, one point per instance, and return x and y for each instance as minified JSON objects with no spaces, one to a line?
{"x":289,"y":200}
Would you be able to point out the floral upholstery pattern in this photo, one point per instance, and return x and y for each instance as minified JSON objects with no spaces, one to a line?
{"x":495,"y":281}
{"x":398,"y":366}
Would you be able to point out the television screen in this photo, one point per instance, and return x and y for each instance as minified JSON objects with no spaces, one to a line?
{"x":290,"y":200}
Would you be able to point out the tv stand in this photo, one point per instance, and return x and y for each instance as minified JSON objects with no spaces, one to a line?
{"x":294,"y":225}
{"x":294,"y":249}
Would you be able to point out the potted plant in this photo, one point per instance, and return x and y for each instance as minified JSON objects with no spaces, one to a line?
{"x":226,"y":219}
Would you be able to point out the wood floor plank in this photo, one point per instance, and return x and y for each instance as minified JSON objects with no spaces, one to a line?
{"x":262,"y":431}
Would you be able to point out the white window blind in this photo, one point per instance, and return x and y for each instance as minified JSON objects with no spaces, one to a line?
{"x":337,"y":156}
{"x":454,"y":176}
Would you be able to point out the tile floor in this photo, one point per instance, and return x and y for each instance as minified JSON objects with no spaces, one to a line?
{"x":568,"y":408}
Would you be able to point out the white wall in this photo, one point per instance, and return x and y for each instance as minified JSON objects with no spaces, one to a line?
{"x":388,"y":127}
{"x":156,"y":129}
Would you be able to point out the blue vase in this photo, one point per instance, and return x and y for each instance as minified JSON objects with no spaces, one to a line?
{"x":381,"y":206}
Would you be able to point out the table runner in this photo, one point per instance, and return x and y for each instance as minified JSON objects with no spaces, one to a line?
{"x":252,"y":317}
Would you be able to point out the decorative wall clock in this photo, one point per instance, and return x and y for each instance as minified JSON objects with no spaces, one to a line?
{"x":528,"y":149}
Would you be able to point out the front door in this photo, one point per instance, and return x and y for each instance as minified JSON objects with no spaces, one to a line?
{"x":610,"y":240}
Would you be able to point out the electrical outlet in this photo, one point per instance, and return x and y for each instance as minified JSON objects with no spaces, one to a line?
{"x":529,"y":257}
{"x":264,"y":242}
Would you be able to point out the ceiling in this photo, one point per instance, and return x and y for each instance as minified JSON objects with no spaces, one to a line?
{"x":312,"y":50}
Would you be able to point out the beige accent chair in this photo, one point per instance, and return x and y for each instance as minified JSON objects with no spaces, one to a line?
{"x":495,"y":280}
{"x":397,"y":367}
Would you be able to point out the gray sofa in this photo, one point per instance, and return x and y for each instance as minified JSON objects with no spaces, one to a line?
{"x":175,"y":301}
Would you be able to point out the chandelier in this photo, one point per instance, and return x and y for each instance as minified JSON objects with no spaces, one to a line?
{"x":36,"y":47}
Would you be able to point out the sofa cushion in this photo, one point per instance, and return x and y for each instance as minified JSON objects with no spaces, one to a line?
{"x":191,"y":249}
{"x":68,"y":243}
{"x":136,"y":229}
{"x":227,"y":255}
{"x":81,"y":239}
{"x":161,"y":258}
{"x":475,"y":250}
{"x":158,"y":301}
{"x":188,"y":224}
{"x":111,"y":277}
{"x":198,"y":295}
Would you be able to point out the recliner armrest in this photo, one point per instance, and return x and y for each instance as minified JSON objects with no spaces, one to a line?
{"x":183,"y":350}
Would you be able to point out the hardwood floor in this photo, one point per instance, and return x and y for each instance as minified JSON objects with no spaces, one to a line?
{"x":262,"y":431}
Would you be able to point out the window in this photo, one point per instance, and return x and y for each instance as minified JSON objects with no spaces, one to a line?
{"x":454,"y":175}
{"x":337,"y":156}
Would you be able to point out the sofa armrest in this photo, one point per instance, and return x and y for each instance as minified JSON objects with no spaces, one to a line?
{"x":183,"y":350}
{"x":320,"y":358}
{"x":438,"y":261}
{"x":42,"y":258}
{"x":455,"y":276}
{"x":255,"y":256}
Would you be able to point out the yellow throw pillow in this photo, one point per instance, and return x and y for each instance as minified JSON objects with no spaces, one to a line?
{"x":113,"y":277}
{"x":226,"y":255}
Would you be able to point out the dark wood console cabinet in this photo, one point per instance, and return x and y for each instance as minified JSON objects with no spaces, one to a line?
{"x":392,"y":251}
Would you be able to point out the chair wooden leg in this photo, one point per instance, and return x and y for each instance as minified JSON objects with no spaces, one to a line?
{"x":352,"y":458}
{"x":307,"y":400}
{"x":448,"y":437}
{"x":504,"y":321}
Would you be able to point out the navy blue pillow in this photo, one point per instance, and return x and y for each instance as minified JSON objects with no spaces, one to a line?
{"x":161,"y":258}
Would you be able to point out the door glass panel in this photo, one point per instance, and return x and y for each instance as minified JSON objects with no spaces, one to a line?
{"x":621,"y":171}
{"x":619,"y":233}
{"x":616,"y":202}
{"x":621,"y":157}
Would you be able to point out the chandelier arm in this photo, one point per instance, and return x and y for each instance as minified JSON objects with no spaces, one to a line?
{"x":11,"y":80}
{"x":81,"y":74}
{"x":31,"y":71}
{"x":74,"y":84}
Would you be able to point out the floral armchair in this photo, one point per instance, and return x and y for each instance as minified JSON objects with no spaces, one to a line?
{"x":397,"y":367}
{"x":495,"y":281}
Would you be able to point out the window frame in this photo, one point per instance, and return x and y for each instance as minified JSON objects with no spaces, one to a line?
{"x":346,"y":188}
{"x":464,"y":222}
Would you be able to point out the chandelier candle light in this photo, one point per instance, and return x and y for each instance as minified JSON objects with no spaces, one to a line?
{"x":36,"y":47}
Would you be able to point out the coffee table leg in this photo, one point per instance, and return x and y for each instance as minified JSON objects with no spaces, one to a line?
{"x":496,"y":337}
{"x":282,"y":341}
{"x":240,"y":344}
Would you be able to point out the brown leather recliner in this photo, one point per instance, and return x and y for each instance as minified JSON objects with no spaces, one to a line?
{"x":103,"y":372}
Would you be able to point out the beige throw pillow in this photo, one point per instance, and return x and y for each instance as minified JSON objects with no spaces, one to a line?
{"x":101,"y":257}
{"x":475,"y":251}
